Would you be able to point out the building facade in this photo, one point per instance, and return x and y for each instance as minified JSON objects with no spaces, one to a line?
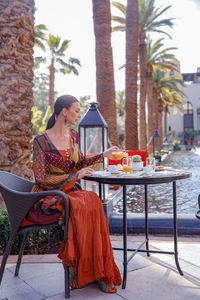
{"x":179,"y":123}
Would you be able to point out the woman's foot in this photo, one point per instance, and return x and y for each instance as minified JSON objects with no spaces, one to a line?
{"x":107,"y":287}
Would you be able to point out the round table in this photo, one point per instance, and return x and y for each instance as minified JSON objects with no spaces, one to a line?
{"x":165,"y":176}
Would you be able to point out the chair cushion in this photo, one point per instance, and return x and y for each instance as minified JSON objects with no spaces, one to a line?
{"x":26,"y":223}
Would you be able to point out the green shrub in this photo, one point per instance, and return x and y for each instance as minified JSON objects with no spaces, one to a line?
{"x":175,"y":144}
{"x":38,"y":242}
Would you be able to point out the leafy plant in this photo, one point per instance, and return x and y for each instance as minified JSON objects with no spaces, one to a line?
{"x":136,"y":158}
{"x":175,"y":144}
{"x":39,"y":120}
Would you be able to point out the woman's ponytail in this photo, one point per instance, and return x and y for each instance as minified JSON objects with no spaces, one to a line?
{"x":51,"y":121}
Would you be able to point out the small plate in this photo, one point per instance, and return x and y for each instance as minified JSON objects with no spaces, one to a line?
{"x":101,"y":173}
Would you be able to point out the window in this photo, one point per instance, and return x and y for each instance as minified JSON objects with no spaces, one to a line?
{"x":188,"y":116}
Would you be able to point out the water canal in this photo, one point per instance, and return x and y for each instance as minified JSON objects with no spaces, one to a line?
{"x":187,"y":189}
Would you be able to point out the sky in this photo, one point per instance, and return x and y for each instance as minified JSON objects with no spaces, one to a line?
{"x":72,"y":20}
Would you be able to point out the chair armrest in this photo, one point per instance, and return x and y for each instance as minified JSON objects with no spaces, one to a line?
{"x":24,"y":201}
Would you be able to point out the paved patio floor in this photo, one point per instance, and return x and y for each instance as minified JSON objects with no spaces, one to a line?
{"x":41,"y":277}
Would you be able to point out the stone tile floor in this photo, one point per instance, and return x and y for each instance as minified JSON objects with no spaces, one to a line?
{"x":41,"y":277}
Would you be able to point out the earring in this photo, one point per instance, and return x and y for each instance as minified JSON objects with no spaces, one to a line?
{"x":65,"y":120}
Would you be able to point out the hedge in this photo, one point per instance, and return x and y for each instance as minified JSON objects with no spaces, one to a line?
{"x":39,"y":242}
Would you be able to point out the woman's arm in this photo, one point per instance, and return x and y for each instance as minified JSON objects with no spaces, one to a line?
{"x":88,"y":161}
{"x":84,"y":161}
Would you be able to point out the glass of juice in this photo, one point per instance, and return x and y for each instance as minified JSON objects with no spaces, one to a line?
{"x":119,"y":154}
{"x":127,"y":164}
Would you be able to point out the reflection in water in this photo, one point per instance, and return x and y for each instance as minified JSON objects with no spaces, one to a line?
{"x":160,"y":196}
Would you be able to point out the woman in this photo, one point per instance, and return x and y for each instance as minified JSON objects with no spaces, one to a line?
{"x":58,"y":164}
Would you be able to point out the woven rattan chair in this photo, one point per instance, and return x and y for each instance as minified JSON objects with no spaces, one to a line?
{"x":18,"y":199}
{"x":198,"y":211}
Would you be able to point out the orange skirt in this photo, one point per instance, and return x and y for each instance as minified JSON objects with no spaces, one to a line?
{"x":88,"y":248}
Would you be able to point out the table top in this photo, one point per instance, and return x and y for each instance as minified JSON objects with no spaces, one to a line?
{"x":164,"y":176}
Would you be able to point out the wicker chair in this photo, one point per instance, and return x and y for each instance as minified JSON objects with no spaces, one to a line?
{"x":18,"y":199}
{"x":198,"y":211}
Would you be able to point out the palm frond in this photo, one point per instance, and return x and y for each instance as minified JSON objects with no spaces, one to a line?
{"x":73,"y":60}
{"x":63,"y":48}
{"x":119,"y":20}
{"x":118,"y":28}
{"x":120,"y":6}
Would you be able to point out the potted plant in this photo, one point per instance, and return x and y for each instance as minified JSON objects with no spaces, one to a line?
{"x":137,"y":163}
{"x":157,"y":157}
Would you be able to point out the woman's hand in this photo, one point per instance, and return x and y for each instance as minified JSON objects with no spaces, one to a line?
{"x":85,"y":172}
{"x":108,"y":152}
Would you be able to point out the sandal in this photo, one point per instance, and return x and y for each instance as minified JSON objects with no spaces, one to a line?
{"x":106,"y":287}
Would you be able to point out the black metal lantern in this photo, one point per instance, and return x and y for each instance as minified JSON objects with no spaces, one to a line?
{"x":93,"y":139}
{"x":93,"y":131}
{"x":156,"y":142}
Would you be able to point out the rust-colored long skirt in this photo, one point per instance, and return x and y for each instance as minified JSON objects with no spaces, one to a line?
{"x":88,"y":248}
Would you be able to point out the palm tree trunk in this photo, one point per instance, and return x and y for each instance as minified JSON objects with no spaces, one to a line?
{"x":51,"y":84}
{"x":143,"y":91}
{"x":160,"y":125}
{"x":165,"y":121}
{"x":131,"y":126}
{"x":105,"y":87}
{"x":16,"y":76}
{"x":155,"y":110}
{"x":150,"y":105}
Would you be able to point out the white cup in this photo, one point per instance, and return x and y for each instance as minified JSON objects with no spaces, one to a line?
{"x":148,"y":170}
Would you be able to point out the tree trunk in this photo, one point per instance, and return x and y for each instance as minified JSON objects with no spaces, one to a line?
{"x":149,"y":106}
{"x":143,"y":91}
{"x":105,"y":87}
{"x":131,"y":126}
{"x":160,"y":126}
{"x":16,"y":82}
{"x":51,"y":84}
{"x":155,"y":110}
{"x":165,"y":120}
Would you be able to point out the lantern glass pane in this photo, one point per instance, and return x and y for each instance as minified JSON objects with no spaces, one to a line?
{"x":94,"y":140}
{"x":156,"y":141}
{"x":105,"y":139}
{"x":81,"y":140}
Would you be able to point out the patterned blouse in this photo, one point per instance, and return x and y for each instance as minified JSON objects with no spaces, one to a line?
{"x":52,"y":169}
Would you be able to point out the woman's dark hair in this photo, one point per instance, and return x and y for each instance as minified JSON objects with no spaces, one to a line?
{"x":64,"y":101}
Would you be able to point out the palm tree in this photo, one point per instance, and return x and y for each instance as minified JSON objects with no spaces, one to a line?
{"x":131,"y":127}
{"x":57,"y":53}
{"x":148,"y":22}
{"x":168,"y":91}
{"x":120,"y":103}
{"x":16,"y":97}
{"x":105,"y":87}
{"x":163,"y":59}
